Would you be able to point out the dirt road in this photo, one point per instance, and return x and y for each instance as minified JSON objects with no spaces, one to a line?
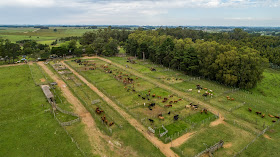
{"x":179,"y":141}
{"x":94,"y":134}
{"x":11,"y":65}
{"x":164,"y":148}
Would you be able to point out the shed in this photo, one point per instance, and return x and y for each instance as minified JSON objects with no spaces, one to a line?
{"x":47,"y":92}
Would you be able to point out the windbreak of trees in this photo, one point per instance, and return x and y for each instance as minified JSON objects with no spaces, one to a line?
{"x":104,"y":42}
{"x":268,"y":46}
{"x":240,"y":67}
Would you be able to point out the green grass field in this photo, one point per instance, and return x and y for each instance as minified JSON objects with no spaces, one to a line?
{"x":43,"y":36}
{"x":28,"y":127}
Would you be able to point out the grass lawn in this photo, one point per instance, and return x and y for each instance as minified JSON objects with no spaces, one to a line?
{"x":27,"y":128}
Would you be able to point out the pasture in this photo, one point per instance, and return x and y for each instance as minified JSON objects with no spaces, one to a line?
{"x":137,"y":99}
{"x":43,"y":36}
{"x":262,"y":98}
{"x":28,"y":128}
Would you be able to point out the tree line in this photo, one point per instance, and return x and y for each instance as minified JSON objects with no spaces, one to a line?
{"x":234,"y":66}
{"x":10,"y":51}
{"x":268,"y":46}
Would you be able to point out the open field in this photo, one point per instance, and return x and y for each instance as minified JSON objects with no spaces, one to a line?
{"x":43,"y":36}
{"x":27,"y":125}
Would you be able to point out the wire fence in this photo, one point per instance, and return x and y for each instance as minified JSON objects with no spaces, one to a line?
{"x":258,"y":135}
{"x":54,"y":114}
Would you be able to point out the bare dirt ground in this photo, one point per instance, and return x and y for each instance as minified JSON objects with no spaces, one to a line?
{"x":227,"y":145}
{"x":95,"y":136}
{"x":11,"y":65}
{"x":177,"y":142}
{"x":164,"y":148}
{"x":266,"y":136}
{"x":218,"y":121}
{"x":43,"y":80}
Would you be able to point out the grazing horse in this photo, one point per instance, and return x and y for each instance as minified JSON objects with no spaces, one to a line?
{"x":152,"y":121}
{"x":168,"y":113}
{"x":277,"y":117}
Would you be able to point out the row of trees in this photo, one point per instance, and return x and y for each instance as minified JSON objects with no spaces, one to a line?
{"x":268,"y":46}
{"x":101,"y":42}
{"x":10,"y":51}
{"x":240,"y":67}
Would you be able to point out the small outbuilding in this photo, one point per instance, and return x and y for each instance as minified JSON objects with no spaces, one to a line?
{"x":48,"y":93}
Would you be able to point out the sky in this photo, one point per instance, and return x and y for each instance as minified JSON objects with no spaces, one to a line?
{"x":142,"y":12}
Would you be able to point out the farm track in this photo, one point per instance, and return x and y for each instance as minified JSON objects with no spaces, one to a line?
{"x":94,"y":134}
{"x":11,"y":65}
{"x":179,"y":141}
{"x":164,"y":148}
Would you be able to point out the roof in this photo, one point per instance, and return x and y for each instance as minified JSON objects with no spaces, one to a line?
{"x":47,"y":92}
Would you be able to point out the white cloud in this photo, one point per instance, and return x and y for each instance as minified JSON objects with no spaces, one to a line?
{"x":240,"y":18}
{"x":141,"y":3}
{"x":27,"y":3}
{"x":129,"y":11}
